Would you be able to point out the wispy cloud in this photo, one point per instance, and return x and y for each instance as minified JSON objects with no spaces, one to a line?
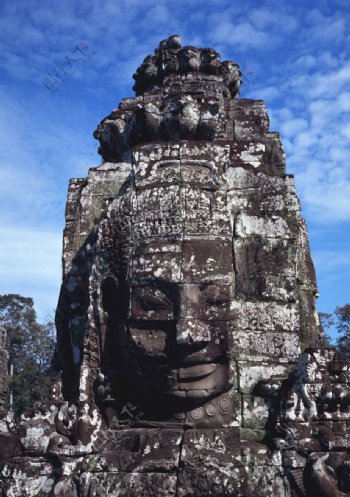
{"x":314,"y":122}
{"x":243,"y":35}
{"x":30,"y":265}
{"x":293,"y":55}
{"x":266,"y":18}
{"x":325,"y":28}
{"x":37,"y":157}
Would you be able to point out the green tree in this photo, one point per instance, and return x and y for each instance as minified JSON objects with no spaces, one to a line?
{"x":342,"y":324}
{"x":327,"y":321}
{"x":30,"y":347}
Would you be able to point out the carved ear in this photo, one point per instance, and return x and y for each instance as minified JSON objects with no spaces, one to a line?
{"x":114,"y":343}
{"x":109,"y":291}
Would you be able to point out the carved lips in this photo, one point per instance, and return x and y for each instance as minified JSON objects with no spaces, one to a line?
{"x":196,"y":372}
{"x":199,"y":380}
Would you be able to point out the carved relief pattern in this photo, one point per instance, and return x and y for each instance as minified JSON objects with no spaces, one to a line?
{"x":188,"y":294}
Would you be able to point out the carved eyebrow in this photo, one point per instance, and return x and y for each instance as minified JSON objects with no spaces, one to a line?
{"x":199,"y":163}
{"x":151,"y":297}
{"x":215,"y":295}
{"x":218,"y":298}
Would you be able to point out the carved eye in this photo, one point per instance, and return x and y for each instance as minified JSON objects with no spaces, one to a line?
{"x":219,"y":300}
{"x":215,"y":297}
{"x":154,"y":299}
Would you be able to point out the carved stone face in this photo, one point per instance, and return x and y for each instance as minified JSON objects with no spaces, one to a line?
{"x":178,"y":321}
{"x":146,"y":74}
{"x":210,"y":61}
{"x":168,"y":62}
{"x":189,"y":59}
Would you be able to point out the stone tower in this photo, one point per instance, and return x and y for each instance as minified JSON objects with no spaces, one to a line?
{"x":192,"y":191}
{"x":188,"y":296}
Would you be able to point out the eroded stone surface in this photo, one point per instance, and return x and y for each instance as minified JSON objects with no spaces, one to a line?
{"x":188,"y":294}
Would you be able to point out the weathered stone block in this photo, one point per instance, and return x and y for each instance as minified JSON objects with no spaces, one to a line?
{"x":164,"y":265}
{"x":205,"y":261}
{"x":263,"y":316}
{"x":247,"y":153}
{"x":250,"y":374}
{"x":276,"y":347}
{"x":135,"y":450}
{"x":266,"y":227}
{"x":255,"y":412}
{"x":250,"y":119}
{"x":127,"y":484}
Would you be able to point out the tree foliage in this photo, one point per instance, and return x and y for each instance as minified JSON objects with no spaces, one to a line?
{"x":327,"y":322}
{"x":30,"y":347}
{"x":339,"y":320}
{"x":342,"y":324}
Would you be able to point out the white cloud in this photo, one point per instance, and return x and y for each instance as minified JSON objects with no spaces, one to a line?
{"x":345,"y":131}
{"x":343,"y":102}
{"x":30,"y":264}
{"x":333,"y":265}
{"x":242,"y":35}
{"x":325,"y":202}
{"x":329,"y":83}
{"x":325,"y":28}
{"x":293,"y":127}
{"x":267,"y":93}
{"x":306,"y":61}
{"x":267,"y":18}
{"x":328,"y":60}
{"x":38,"y":156}
{"x":314,"y":123}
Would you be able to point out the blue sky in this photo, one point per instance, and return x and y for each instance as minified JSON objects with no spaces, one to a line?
{"x":293,"y":54}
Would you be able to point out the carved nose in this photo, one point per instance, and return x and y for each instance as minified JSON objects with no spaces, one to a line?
{"x":191,"y":331}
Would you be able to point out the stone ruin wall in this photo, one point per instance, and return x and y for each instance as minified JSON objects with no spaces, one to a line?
{"x":189,"y":169}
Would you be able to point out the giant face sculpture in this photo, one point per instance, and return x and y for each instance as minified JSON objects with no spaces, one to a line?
{"x":178,"y":322}
{"x":178,"y":283}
